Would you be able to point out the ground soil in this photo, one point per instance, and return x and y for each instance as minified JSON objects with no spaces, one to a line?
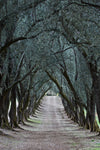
{"x":49,"y":129}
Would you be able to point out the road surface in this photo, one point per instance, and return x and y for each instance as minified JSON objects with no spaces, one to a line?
{"x":50,"y":129}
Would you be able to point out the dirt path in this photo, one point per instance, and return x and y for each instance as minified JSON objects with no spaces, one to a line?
{"x":50,"y":129}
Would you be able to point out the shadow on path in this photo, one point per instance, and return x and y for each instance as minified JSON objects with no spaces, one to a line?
{"x":50,"y":129}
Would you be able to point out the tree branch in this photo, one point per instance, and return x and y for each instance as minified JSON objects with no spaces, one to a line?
{"x":90,"y":4}
{"x":23,"y":78}
{"x":16,"y":40}
{"x":19,"y":67}
{"x":63,"y":50}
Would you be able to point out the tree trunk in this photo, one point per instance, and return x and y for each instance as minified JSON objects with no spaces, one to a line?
{"x":5,"y":110}
{"x":12,"y":114}
{"x":97,"y":95}
{"x":19,"y":109}
{"x":94,"y":95}
{"x":92,"y":111}
{"x":87,"y":121}
{"x":1,"y":104}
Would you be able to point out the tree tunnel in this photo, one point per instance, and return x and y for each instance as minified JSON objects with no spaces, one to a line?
{"x":47,"y":44}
